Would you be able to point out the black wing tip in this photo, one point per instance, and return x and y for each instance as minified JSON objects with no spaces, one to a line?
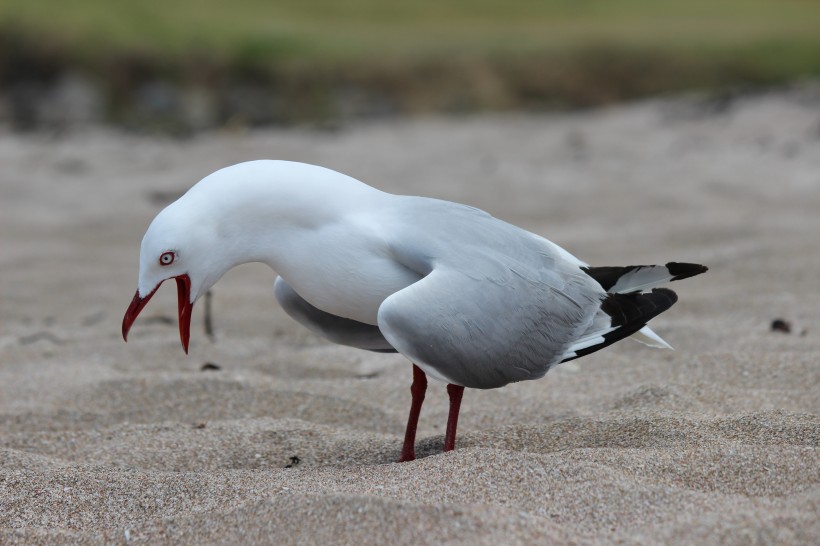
{"x":681,"y":270}
{"x":669,"y":295}
{"x":638,"y":308}
{"x":630,"y":313}
{"x":608,"y":277}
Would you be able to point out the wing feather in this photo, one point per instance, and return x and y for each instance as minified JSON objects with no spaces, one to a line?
{"x":486,"y":334}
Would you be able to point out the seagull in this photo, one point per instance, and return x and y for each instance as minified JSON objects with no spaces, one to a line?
{"x":471,"y":300}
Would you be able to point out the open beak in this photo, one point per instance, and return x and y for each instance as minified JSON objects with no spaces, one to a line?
{"x":185,"y":308}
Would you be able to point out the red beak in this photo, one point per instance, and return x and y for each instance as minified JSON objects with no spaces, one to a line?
{"x":185,"y":308}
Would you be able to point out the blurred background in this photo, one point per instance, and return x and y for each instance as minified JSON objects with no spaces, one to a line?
{"x":182,"y":66}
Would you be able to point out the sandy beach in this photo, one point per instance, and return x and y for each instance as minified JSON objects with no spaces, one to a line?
{"x":293,"y":440}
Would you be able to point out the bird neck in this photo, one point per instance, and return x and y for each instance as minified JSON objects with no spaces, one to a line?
{"x":272,"y":211}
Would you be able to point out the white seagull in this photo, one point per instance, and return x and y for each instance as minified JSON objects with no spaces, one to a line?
{"x":471,"y":300}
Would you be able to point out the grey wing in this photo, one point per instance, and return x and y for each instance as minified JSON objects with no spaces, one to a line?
{"x":484,"y":331}
{"x":336,"y":329}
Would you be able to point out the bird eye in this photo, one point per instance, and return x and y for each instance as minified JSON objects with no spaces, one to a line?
{"x":167,"y":258}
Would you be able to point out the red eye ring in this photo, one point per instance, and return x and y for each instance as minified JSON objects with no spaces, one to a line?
{"x":167,"y":258}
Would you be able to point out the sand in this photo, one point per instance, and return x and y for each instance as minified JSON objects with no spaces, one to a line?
{"x":293,"y":440}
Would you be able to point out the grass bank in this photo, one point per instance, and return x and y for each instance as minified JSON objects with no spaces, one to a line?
{"x":293,"y":60}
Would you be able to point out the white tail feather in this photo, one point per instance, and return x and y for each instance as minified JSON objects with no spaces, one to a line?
{"x":646,"y":336}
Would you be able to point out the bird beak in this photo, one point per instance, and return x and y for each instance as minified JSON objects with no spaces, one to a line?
{"x":185,"y":309}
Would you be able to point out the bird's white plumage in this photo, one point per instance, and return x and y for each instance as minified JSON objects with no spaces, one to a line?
{"x":473,"y":300}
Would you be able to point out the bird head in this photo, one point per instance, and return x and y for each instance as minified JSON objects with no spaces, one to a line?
{"x":175,"y":246}
{"x":250,"y":212}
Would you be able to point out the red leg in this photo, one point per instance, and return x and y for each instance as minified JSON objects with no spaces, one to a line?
{"x":408,"y":452}
{"x":455,"y":392}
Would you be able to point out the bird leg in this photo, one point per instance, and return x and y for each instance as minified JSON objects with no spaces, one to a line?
{"x":209,"y":323}
{"x":417,"y":389}
{"x":455,"y":392}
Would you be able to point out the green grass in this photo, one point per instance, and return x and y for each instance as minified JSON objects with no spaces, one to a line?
{"x":333,"y":31}
{"x":414,"y":55}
